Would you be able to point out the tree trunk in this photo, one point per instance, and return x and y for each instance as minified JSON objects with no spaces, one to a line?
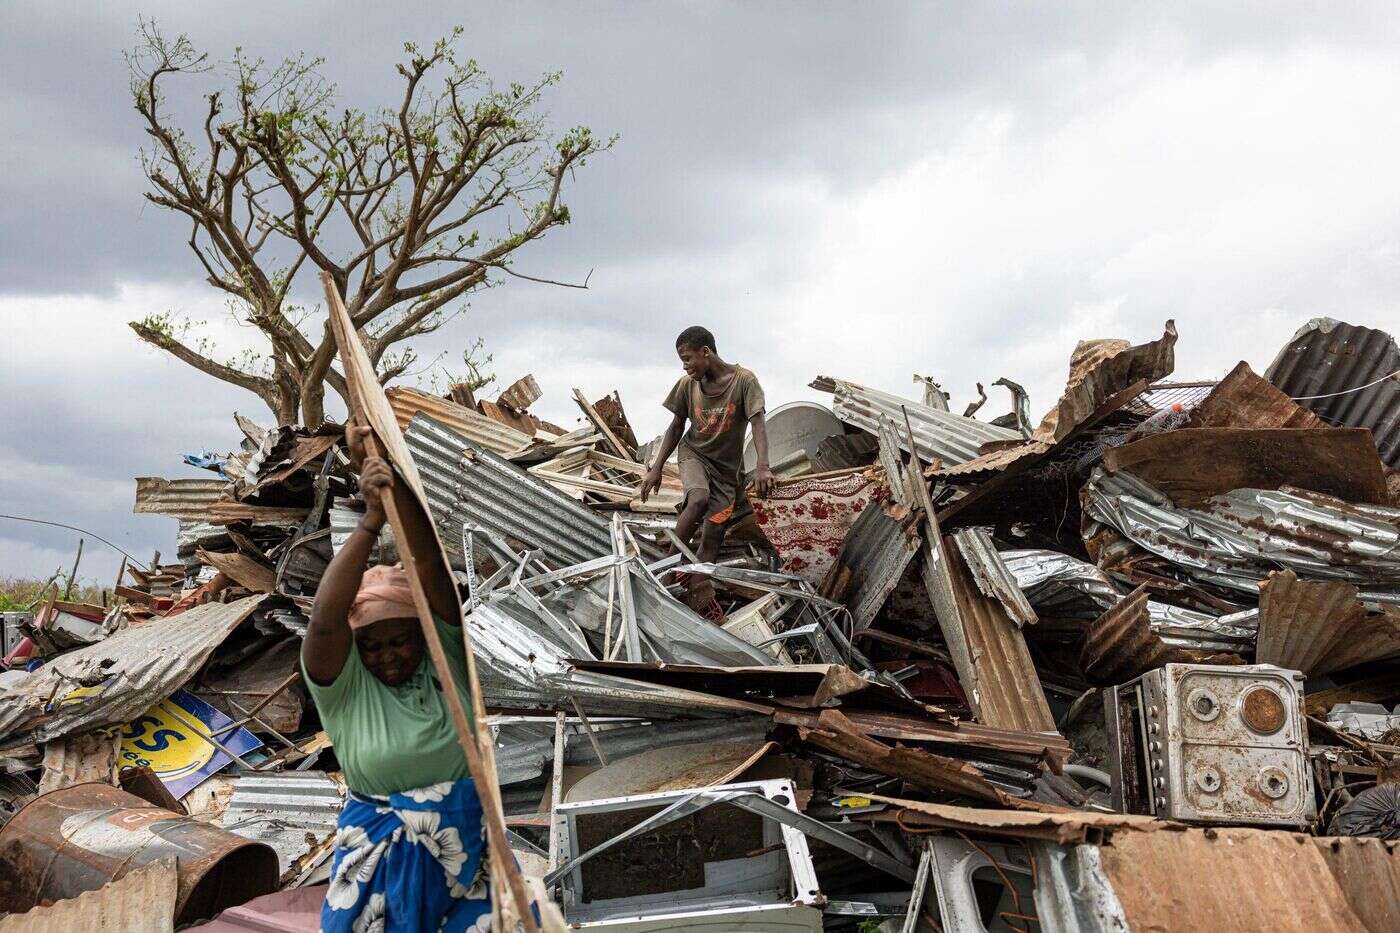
{"x":313,"y":403}
{"x":286,"y":410}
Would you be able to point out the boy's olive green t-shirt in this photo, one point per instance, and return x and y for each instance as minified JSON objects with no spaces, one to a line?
{"x":392,"y":739}
{"x":717,"y":422}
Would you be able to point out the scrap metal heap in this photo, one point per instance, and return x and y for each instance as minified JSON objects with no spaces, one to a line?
{"x":1134,"y":666}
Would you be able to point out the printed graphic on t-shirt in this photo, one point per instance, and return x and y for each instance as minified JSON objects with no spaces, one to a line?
{"x":712,"y":422}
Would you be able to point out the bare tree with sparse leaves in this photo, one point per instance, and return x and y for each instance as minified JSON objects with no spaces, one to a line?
{"x":410,"y":208}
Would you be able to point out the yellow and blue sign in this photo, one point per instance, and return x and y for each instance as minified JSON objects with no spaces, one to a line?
{"x":167,"y":739}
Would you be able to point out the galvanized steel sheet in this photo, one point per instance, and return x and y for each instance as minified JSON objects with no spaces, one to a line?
{"x":118,"y":678}
{"x":1240,"y":536}
{"x":466,"y":484}
{"x":938,"y":435}
{"x":1350,"y":367}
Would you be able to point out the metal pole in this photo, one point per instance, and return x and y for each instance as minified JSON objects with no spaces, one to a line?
{"x":556,"y":834}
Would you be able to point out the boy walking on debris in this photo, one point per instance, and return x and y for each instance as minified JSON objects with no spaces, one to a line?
{"x":720,"y":400}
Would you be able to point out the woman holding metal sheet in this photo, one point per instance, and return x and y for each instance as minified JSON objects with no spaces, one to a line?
{"x":411,"y":848}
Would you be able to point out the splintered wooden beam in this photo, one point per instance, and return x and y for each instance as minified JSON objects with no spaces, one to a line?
{"x":601,"y":424}
{"x":423,"y":558}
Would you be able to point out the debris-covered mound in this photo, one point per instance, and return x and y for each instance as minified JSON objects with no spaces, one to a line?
{"x":955,"y":658}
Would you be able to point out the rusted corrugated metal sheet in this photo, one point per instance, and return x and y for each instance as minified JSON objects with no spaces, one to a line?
{"x":991,"y":575}
{"x":1120,"y":644}
{"x":1368,"y":872}
{"x":79,"y":838}
{"x":873,"y":557}
{"x":1244,"y":399}
{"x":994,"y":666}
{"x":477,"y":428}
{"x":118,"y":678}
{"x":521,"y":393}
{"x":938,"y":435}
{"x":1193,"y":464}
{"x":1072,"y":827}
{"x":1319,"y":627}
{"x":1096,"y":376}
{"x":1236,"y":879}
{"x":1336,"y":360}
{"x":141,"y":901}
{"x":80,"y":759}
{"x":188,"y":499}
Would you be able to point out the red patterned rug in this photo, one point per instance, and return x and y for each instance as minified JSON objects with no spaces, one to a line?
{"x":808,"y":519}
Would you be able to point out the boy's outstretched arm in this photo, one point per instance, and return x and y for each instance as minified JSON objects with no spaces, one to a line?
{"x":652,"y":482}
{"x":762,"y":474}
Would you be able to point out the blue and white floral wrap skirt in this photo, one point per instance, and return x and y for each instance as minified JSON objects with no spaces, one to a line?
{"x":416,"y":861}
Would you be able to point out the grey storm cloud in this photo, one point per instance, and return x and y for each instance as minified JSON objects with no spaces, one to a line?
{"x":877,"y":189}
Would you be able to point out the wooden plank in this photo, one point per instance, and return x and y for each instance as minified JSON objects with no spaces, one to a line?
{"x":241,"y":569}
{"x":430,"y":580}
{"x":612,"y":439}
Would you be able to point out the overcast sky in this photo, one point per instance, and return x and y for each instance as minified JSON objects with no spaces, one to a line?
{"x":857,"y":190}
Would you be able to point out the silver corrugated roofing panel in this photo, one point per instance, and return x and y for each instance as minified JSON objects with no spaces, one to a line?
{"x":120,"y":677}
{"x":188,"y":499}
{"x":479,"y":429}
{"x":876,"y":552}
{"x":293,"y":812}
{"x":1329,"y":358}
{"x":1063,"y":587}
{"x":466,"y":484}
{"x":938,"y":435}
{"x":1238,"y":537}
{"x":671,"y":632}
{"x":522,"y":657}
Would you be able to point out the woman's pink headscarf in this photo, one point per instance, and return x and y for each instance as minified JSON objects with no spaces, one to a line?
{"x":384,"y":594}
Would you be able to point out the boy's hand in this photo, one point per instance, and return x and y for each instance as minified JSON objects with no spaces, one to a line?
{"x":375,"y":481}
{"x":763,"y":481}
{"x":651,"y":483}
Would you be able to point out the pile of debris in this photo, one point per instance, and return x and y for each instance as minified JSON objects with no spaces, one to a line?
{"x":1132,"y":666}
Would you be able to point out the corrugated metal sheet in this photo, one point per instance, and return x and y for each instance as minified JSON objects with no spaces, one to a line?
{"x":1067,"y":827}
{"x":991,"y":575}
{"x":522,"y":656}
{"x":1242,"y":535}
{"x":938,"y":435}
{"x":1191,"y":465}
{"x":141,"y":901}
{"x":1326,"y":357}
{"x":1244,"y":399}
{"x":520,"y":394}
{"x":80,"y":759}
{"x":1228,"y":878}
{"x":479,"y":429}
{"x":1120,"y":644}
{"x":1097,"y":376}
{"x":294,"y":812}
{"x":1065,"y":588}
{"x":1319,"y":627}
{"x":118,"y":678}
{"x":873,"y":557}
{"x":993,"y":663}
{"x":467,"y":484}
{"x":188,"y":499}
